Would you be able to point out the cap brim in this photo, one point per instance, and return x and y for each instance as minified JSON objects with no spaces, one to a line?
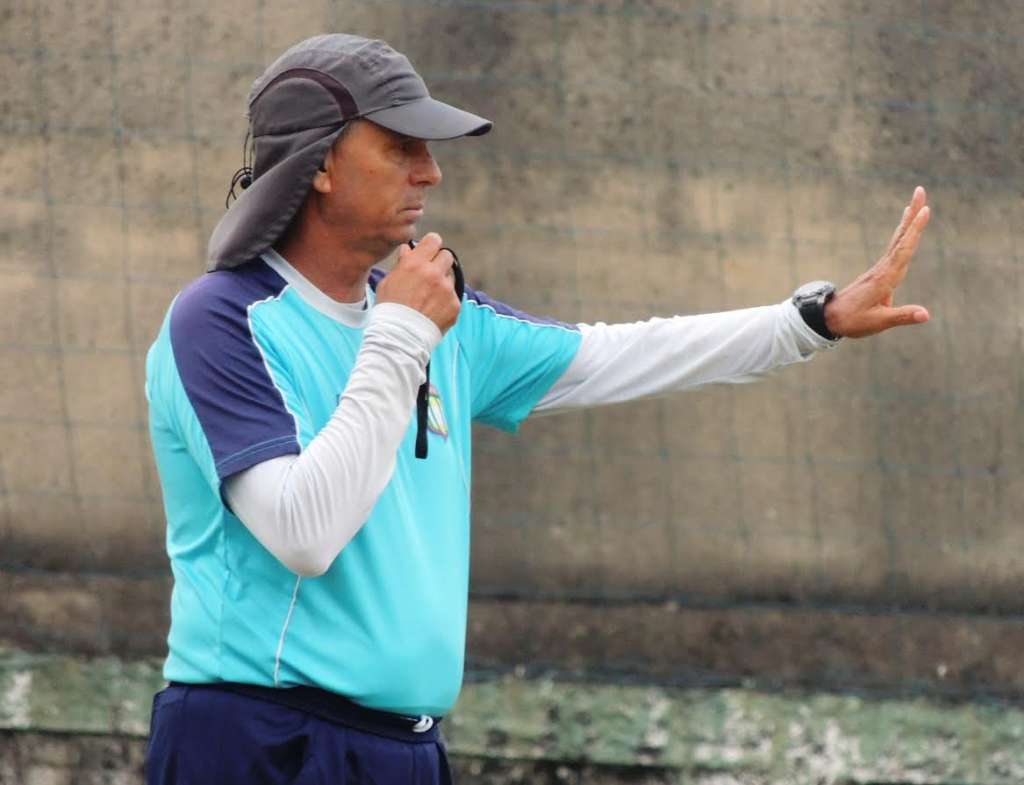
{"x":264,"y":210}
{"x":428,"y":118}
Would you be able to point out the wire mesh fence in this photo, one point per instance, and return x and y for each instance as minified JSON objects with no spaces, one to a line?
{"x":649,"y":158}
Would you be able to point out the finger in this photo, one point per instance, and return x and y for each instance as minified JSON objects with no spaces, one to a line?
{"x":904,"y":251}
{"x":901,"y":227}
{"x":445,"y":258}
{"x":912,"y":236}
{"x":430,"y":244}
{"x":917,"y":201}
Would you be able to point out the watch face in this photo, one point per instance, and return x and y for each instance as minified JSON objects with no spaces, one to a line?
{"x":813,"y":289}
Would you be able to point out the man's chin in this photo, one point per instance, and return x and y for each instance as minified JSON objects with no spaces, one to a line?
{"x":391,"y":242}
{"x":406,"y":233}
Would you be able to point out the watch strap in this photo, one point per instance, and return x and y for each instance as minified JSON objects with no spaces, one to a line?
{"x":812,"y":309}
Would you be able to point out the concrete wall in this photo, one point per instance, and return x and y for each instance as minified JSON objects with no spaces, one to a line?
{"x":648,"y":158}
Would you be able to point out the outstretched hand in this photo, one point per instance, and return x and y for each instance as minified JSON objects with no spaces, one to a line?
{"x":865,"y":307}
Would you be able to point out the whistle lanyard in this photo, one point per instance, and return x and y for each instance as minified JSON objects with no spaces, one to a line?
{"x":423,"y":395}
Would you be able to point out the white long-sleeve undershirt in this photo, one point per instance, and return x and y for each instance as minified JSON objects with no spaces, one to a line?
{"x":305,"y":508}
{"x":625,"y":362}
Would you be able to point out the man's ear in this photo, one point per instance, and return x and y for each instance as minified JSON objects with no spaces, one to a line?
{"x":322,"y":179}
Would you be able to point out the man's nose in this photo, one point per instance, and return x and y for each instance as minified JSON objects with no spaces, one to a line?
{"x":427,"y":172}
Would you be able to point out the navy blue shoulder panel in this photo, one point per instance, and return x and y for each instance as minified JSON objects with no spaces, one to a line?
{"x":500,"y":308}
{"x":375,"y":276}
{"x":241,"y":411}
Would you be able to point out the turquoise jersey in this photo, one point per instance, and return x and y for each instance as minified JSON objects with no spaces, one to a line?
{"x":245,"y":370}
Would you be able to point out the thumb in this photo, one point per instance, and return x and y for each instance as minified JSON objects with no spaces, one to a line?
{"x":906,"y":314}
{"x":403,"y":250}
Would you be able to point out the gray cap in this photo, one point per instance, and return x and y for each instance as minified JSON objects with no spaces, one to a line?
{"x":298,"y":108}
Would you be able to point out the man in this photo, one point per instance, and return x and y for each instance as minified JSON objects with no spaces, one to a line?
{"x":320,"y":556}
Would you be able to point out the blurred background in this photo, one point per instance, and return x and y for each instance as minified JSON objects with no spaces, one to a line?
{"x":828,"y":561}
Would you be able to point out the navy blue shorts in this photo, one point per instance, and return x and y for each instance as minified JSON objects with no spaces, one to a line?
{"x":204,"y":736}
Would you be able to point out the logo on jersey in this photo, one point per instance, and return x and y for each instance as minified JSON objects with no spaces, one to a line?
{"x":436,"y":422}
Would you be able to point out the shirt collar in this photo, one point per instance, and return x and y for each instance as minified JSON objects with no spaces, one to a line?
{"x":350,"y":314}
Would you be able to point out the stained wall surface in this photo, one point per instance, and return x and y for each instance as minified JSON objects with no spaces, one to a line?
{"x":648,"y":158}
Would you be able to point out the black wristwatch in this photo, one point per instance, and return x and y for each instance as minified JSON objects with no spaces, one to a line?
{"x":810,"y":300}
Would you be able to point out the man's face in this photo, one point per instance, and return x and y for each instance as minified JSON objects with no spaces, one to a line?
{"x":376,"y":187}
